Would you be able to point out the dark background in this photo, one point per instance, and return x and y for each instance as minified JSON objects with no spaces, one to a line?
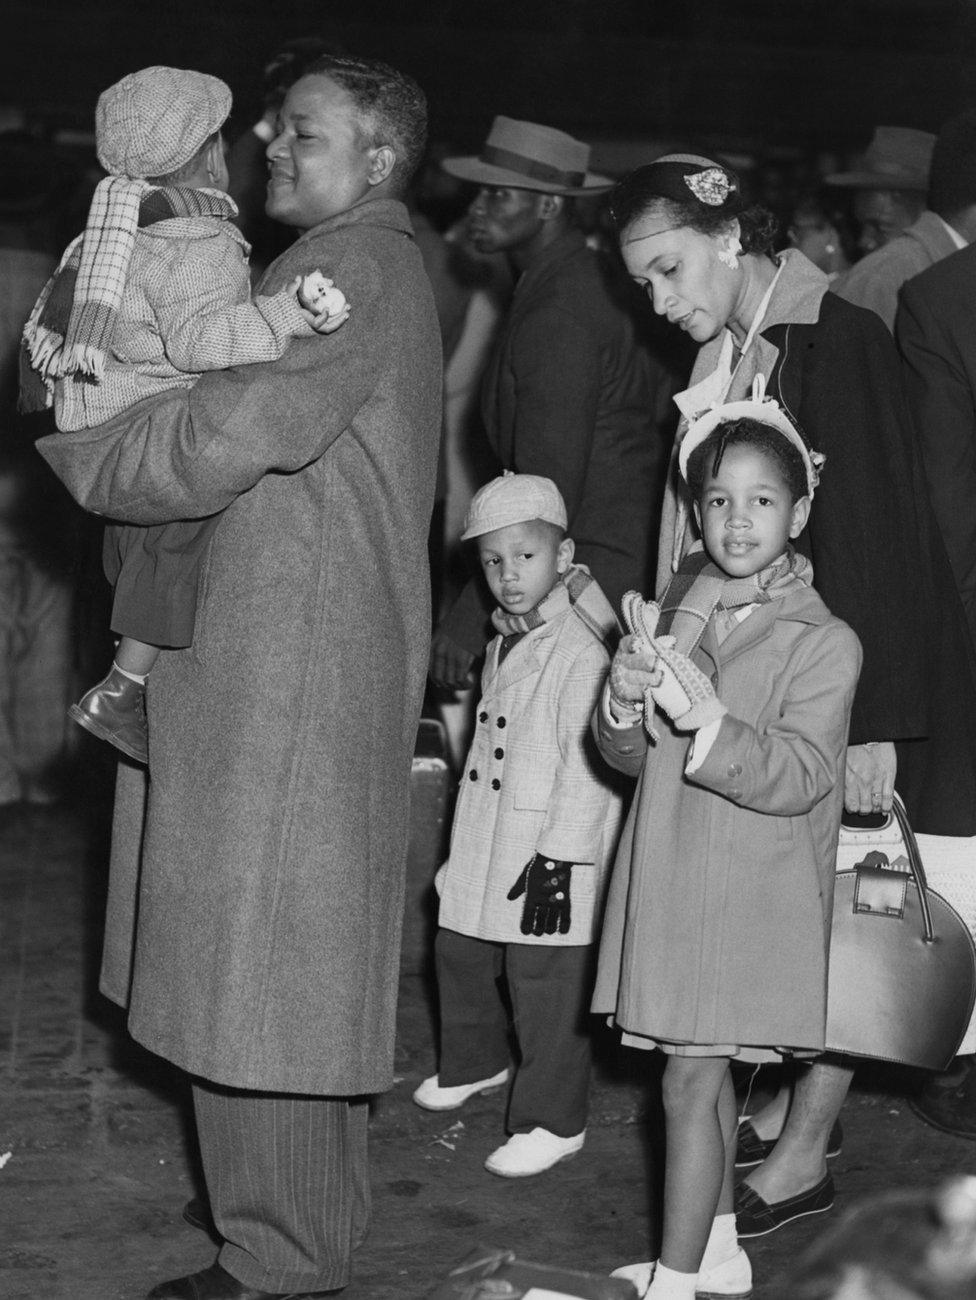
{"x":760,"y":76}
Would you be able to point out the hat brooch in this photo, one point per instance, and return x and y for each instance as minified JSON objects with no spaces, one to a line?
{"x":711,"y":186}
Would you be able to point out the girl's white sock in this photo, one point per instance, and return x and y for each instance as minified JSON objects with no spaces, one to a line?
{"x":133,"y":677}
{"x":667,"y":1284}
{"x":723,"y":1243}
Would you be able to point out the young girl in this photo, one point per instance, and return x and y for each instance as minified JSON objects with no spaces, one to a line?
{"x":731,"y":701}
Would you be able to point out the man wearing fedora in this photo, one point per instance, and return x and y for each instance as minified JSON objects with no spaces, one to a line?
{"x":901,"y":167}
{"x":569,"y":393}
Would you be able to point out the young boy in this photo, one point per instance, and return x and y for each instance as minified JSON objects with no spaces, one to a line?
{"x":718,"y":917}
{"x":154,"y":292}
{"x":537,"y":817}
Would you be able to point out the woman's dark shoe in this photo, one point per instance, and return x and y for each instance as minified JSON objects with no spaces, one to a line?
{"x":115,"y":710}
{"x":752,"y":1150}
{"x":948,"y":1102}
{"x":755,"y":1217}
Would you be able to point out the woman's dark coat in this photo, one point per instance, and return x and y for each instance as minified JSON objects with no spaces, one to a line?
{"x":878,"y":560}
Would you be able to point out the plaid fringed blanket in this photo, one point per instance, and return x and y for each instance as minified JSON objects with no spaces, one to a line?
{"x":71,"y":326}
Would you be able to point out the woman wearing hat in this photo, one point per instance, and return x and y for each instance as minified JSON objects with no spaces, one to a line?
{"x":705,"y":259}
{"x":569,"y":394}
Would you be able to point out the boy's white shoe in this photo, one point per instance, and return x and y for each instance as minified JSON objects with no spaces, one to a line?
{"x":731,"y":1280}
{"x":525,"y":1154}
{"x":431,"y":1096}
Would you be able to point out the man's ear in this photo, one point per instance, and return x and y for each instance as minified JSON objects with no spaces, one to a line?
{"x":550,"y":205}
{"x":697,"y":512}
{"x":382,"y":160}
{"x":564,"y":556}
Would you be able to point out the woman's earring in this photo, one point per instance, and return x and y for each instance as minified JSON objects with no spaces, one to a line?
{"x":728,"y":255}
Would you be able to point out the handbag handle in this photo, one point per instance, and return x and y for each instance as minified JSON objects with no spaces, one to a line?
{"x":915,"y":868}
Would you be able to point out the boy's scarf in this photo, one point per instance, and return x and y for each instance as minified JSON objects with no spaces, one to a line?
{"x":699,"y":588}
{"x":71,"y":326}
{"x":586,"y":600}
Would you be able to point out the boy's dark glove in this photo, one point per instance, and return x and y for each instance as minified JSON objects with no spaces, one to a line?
{"x":545,"y":884}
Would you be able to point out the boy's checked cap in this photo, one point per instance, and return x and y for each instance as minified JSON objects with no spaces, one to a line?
{"x":513,"y":499}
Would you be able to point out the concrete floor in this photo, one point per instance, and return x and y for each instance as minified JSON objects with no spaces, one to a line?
{"x":96,"y":1159}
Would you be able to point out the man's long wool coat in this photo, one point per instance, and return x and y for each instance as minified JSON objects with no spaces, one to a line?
{"x":258,"y":946}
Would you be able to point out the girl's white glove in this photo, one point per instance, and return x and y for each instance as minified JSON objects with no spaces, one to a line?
{"x":630,"y":675}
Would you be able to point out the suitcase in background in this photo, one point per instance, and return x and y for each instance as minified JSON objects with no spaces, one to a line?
{"x":431,"y":790}
{"x":491,"y":1274}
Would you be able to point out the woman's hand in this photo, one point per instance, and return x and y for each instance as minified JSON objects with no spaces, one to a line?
{"x":869,"y":780}
{"x":633,"y":672}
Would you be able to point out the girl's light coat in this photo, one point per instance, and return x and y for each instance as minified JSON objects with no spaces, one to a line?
{"x":718,"y":914}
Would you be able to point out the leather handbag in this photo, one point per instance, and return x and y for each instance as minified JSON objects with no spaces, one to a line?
{"x":902,"y":973}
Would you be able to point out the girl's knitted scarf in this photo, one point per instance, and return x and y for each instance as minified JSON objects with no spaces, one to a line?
{"x":586,"y":600}
{"x":699,"y":588}
{"x":70,"y":329}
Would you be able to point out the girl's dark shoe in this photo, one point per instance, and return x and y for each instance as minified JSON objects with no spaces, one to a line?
{"x":115,"y":710}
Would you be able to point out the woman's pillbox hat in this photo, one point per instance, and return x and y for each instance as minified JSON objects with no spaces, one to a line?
{"x":690,"y":177}
{"x":759,"y":407}
{"x":513,"y":499}
{"x":153,"y":121}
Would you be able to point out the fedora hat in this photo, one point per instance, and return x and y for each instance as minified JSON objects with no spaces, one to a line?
{"x":898,"y":158}
{"x":526,"y":156}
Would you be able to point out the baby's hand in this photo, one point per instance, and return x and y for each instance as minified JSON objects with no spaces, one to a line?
{"x":321,"y":303}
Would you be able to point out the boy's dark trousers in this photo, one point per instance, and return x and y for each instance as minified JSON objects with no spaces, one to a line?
{"x":550,"y":988}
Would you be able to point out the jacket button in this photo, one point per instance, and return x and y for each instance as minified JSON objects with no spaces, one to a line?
{"x":500,"y":722}
{"x":473,"y":775}
{"x":735,"y":794}
{"x":714,"y":679}
{"x":735,"y":769}
{"x":482,"y":717}
{"x":499,"y":753}
{"x":496,"y":784}
{"x":626,"y":749}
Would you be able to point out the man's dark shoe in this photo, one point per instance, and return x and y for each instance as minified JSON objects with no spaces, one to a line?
{"x":197,"y":1214}
{"x":215,"y":1283}
{"x":755,"y":1217}
{"x":752,"y":1150}
{"x":115,"y":710}
{"x":949,"y":1108}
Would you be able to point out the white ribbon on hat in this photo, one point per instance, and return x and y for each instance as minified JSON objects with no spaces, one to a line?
{"x":756,"y":407}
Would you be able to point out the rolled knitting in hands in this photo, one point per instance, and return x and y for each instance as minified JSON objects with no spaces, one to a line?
{"x":681,"y":690}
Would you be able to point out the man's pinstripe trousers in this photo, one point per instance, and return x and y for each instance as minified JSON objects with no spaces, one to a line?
{"x":288,"y":1183}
